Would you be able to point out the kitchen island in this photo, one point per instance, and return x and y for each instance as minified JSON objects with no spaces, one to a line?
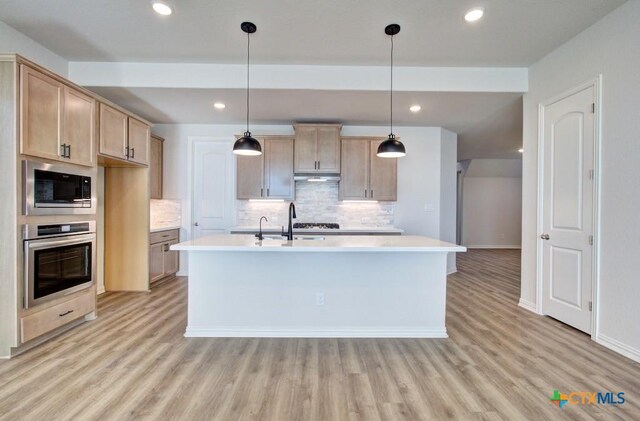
{"x":334,"y":286}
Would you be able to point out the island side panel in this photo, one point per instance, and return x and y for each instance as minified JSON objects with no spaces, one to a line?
{"x":275,"y":294}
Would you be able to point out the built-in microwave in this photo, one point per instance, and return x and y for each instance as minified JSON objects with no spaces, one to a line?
{"x":50,"y":189}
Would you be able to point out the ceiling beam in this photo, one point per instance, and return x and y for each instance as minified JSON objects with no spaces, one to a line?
{"x":348,"y":78}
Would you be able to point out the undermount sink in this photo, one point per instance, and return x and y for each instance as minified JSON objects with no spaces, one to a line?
{"x":297,"y":237}
{"x":309,"y":237}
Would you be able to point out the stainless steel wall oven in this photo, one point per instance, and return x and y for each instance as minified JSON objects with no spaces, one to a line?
{"x":59,"y":259}
{"x":51,"y":189}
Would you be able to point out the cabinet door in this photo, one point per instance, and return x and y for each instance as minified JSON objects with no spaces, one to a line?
{"x":383,"y":175}
{"x":354,"y":177}
{"x":113,"y":132}
{"x":155,"y":167}
{"x":279,"y":168}
{"x":306,"y":149}
{"x":41,"y":114}
{"x":139,"y":134}
{"x":156,"y":262}
{"x":329,"y":149}
{"x":171,"y":259}
{"x":79,"y":129}
{"x":250,"y":175}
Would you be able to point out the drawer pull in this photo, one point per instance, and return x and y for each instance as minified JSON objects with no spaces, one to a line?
{"x":166,"y":235}
{"x":65,"y":313}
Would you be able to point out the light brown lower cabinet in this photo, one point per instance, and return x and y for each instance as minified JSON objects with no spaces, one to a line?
{"x":51,"y":318}
{"x":163,"y":263}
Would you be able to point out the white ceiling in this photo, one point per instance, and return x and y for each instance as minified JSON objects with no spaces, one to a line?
{"x":513,"y":33}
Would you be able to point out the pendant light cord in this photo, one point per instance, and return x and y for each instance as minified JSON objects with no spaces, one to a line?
{"x":248,"y":52}
{"x":391,"y":96}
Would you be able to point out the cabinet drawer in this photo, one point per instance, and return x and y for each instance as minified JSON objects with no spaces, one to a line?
{"x":45,"y":321}
{"x":163,"y":236}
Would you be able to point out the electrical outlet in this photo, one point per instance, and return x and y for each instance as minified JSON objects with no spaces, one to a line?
{"x":320,"y":298}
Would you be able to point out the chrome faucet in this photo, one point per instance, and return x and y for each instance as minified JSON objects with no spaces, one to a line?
{"x":259,"y":235}
{"x":292,"y":215}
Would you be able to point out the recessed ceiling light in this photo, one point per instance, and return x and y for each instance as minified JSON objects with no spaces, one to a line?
{"x":521,"y":150}
{"x":161,"y":8}
{"x":219,"y":106}
{"x":415,"y":108}
{"x":474,"y":14}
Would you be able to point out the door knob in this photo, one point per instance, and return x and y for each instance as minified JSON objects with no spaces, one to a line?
{"x":545,"y":236}
{"x":196,"y":224}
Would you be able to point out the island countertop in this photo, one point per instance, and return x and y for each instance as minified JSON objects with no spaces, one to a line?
{"x":342,"y":243}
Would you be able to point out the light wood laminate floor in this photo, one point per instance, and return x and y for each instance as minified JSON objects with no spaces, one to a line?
{"x":500,"y":362}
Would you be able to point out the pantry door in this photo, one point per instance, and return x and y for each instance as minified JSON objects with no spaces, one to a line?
{"x":568,"y":208}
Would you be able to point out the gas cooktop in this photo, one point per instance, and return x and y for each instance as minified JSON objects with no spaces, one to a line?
{"x":317,"y":225}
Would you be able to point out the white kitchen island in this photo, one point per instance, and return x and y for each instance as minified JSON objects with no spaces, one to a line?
{"x":339,"y":286}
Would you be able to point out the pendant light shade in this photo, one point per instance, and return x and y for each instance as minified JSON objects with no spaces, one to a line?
{"x":391,"y":147}
{"x":247,"y":145}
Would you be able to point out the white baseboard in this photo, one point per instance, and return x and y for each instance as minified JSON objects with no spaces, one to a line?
{"x":513,"y":247}
{"x":101,"y":290}
{"x":182,"y":273}
{"x":619,"y":347}
{"x":452,"y":270}
{"x":527,"y":305}
{"x":357,"y":332}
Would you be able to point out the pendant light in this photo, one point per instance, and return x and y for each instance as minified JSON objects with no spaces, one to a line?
{"x":391,"y":147}
{"x":247,"y":145}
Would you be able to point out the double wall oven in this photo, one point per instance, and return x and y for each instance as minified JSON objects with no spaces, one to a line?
{"x":59,"y":258}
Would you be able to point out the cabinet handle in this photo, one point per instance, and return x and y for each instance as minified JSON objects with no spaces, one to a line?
{"x":365,"y":193}
{"x":166,"y":247}
{"x":65,"y":313}
{"x":133,"y":153}
{"x":69,"y":151}
{"x":318,"y":164}
{"x":126,"y":151}
{"x":372,"y":193}
{"x":267,"y":192}
{"x":63,"y":150}
{"x":261,"y":191}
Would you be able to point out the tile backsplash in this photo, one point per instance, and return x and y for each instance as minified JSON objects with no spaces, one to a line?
{"x":317,"y":202}
{"x":165,"y":213}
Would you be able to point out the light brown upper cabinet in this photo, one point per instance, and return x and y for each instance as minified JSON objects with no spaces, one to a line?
{"x":139,"y":135}
{"x":155,"y":166}
{"x":317,"y":148}
{"x":57,"y":121}
{"x":270,"y":175}
{"x":365,"y":176}
{"x":123,"y":137}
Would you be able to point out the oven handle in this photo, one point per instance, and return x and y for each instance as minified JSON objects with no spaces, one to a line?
{"x":46,"y":243}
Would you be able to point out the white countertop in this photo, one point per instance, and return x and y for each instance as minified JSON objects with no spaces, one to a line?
{"x":167,"y":228}
{"x":342,"y":243}
{"x":324,"y":231}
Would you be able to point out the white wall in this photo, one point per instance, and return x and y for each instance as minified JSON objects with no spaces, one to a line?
{"x":610,"y":47}
{"x":419,"y":173}
{"x":12,"y":41}
{"x":448,"y":192}
{"x":492,"y":204}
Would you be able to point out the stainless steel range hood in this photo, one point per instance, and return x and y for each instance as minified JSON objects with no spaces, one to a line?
{"x":317,"y":178}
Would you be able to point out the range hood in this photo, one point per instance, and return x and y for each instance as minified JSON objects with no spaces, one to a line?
{"x":319,"y":178}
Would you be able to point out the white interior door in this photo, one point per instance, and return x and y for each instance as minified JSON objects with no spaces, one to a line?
{"x":212,"y":188}
{"x":567,"y":219}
